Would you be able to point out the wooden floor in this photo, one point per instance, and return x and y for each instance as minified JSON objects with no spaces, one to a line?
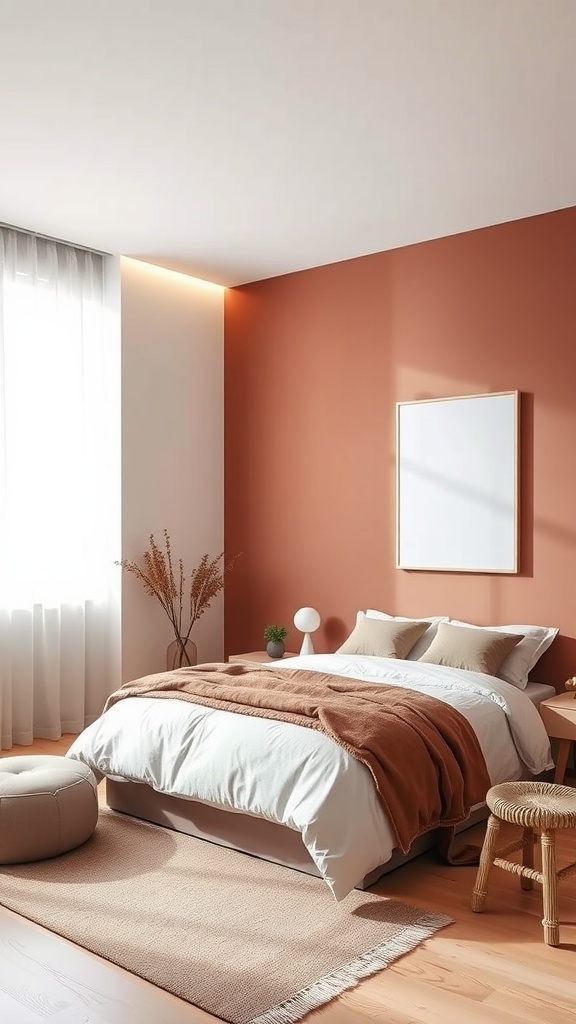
{"x":491,"y":968}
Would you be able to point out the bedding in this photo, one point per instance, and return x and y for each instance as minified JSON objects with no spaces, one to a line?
{"x":375,"y":724}
{"x":537,"y":692}
{"x":425,"y":640}
{"x":382,"y":638}
{"x":476,"y":650}
{"x":299,"y":777}
{"x":534,"y":641}
{"x":517,"y":665}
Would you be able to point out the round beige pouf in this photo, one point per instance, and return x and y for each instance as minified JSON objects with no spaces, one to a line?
{"x":47,"y":805}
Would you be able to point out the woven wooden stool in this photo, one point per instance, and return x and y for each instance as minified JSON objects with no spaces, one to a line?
{"x":536,"y":806}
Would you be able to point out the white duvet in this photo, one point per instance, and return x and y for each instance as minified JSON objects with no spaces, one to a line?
{"x":298,"y":776}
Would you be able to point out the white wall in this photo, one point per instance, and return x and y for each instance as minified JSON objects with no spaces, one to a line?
{"x":172,"y":447}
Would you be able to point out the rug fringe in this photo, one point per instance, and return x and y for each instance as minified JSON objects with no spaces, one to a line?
{"x":322,"y":991}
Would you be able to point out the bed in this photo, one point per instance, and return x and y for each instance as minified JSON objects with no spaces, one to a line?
{"x":289,"y":794}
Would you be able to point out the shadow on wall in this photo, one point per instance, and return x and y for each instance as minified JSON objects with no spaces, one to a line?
{"x":335,"y":631}
{"x":554,"y":665}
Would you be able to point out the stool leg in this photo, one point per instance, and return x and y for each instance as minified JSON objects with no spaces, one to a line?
{"x":527,"y":857}
{"x":549,"y":882}
{"x":480,"y":890}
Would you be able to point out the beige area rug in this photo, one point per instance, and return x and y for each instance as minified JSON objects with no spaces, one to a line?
{"x":246,"y":940}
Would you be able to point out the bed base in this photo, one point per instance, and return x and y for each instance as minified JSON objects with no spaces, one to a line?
{"x":244,"y":832}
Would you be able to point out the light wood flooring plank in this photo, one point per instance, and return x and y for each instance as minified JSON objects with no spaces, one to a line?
{"x":42,"y":972}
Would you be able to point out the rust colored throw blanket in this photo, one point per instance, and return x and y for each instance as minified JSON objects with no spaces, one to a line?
{"x":424,"y":756}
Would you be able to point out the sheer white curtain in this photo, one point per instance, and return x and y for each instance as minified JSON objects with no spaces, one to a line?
{"x":59,"y":488}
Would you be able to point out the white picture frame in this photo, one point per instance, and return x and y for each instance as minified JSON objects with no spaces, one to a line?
{"x":457,"y":483}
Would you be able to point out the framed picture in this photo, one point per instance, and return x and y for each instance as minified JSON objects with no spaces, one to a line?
{"x":457,"y":483}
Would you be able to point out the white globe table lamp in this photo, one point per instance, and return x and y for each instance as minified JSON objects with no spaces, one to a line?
{"x":307,"y":621}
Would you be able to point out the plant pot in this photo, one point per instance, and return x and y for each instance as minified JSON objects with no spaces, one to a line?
{"x":275,"y":649}
{"x":181,"y":655}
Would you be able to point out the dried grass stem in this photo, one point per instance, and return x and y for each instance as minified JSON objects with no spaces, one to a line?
{"x":197,"y":592}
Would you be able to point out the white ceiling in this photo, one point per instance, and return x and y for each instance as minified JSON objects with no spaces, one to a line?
{"x":242,"y":139}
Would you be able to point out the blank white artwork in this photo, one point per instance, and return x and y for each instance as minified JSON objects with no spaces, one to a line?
{"x":457,"y":484}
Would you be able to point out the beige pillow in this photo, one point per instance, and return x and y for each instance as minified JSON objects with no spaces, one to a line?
{"x":516,"y":668}
{"x":425,"y":640}
{"x":477,"y":650}
{"x":384,"y":638}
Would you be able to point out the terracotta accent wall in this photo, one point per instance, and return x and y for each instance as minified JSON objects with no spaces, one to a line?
{"x":314,"y":364}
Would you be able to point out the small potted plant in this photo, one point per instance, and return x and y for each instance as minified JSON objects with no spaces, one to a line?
{"x":275,"y":637}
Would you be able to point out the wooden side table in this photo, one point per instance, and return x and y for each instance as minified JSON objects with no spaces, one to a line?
{"x":258,"y":658}
{"x":559,"y":717}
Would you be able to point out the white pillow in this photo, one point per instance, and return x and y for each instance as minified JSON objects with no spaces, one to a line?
{"x":424,"y":642}
{"x":517,"y":665}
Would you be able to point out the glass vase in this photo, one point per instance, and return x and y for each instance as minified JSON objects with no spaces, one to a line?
{"x":181,"y":654}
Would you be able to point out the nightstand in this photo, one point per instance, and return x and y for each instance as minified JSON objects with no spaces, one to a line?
{"x":258,"y":658}
{"x":559,"y":717}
